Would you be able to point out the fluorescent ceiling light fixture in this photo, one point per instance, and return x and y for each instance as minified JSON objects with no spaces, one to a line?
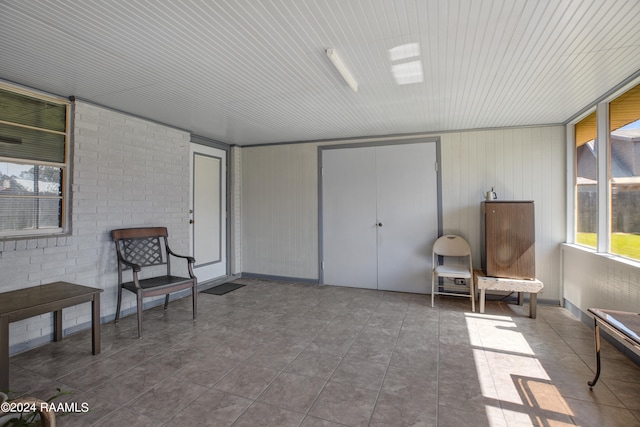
{"x":344,"y":72}
{"x":404,"y":51}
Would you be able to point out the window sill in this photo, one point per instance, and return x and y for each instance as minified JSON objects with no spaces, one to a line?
{"x":40,"y":234}
{"x":614,"y":258}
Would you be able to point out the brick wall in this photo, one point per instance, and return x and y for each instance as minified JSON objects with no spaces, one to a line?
{"x":126,"y":172}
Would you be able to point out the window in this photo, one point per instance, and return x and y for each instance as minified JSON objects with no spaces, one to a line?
{"x":586,"y":181}
{"x":33,"y":163}
{"x":624,"y":174}
{"x":607,"y":201}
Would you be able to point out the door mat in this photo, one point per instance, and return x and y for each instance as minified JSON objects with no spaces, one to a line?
{"x":223,"y":289}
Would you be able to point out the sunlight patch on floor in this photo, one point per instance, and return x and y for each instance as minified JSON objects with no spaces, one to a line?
{"x":510,"y":374}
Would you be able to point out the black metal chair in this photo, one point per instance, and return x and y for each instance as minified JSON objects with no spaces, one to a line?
{"x":141,"y":247}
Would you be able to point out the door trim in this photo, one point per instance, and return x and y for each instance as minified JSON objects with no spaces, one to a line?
{"x":433,"y":139}
{"x":195,"y":139}
{"x":220,"y":213}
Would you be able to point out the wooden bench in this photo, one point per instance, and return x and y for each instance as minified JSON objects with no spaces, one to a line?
{"x":511,"y":285}
{"x":143,"y":247}
{"x":37,"y":300}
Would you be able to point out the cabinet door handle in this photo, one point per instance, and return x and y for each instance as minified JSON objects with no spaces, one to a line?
{"x":379,"y":224}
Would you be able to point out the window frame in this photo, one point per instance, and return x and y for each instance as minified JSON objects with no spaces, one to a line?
{"x":572,"y":178}
{"x":601,"y":107}
{"x":65,"y":166}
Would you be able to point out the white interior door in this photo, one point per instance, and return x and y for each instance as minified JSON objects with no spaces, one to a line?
{"x":349,"y":217}
{"x":408,"y":211}
{"x":208,"y":211}
{"x":379,"y":216}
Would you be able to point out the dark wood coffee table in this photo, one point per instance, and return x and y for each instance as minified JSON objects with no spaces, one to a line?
{"x":33,"y":301}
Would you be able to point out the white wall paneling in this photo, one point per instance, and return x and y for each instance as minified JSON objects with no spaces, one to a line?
{"x":521,"y":164}
{"x":235,"y":200}
{"x":597,"y":280}
{"x":280,"y":193}
{"x":280,"y":211}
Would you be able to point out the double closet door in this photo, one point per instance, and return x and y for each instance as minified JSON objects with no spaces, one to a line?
{"x":379,"y":216}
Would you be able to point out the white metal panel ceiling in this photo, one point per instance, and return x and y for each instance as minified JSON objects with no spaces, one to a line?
{"x":252,"y":72}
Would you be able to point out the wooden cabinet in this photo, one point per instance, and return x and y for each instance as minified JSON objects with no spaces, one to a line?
{"x":508,"y":247}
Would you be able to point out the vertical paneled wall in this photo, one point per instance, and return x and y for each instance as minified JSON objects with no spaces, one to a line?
{"x":235,"y":194}
{"x":127,"y":172}
{"x":592,"y":280}
{"x":520,"y":164}
{"x":280,"y":195}
{"x":280,"y":211}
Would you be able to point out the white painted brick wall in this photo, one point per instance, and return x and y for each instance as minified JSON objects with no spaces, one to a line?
{"x":127,"y":172}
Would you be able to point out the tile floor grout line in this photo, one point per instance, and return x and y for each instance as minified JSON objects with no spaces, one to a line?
{"x":124,"y":405}
{"x":388,"y":365}
{"x":283,"y":369}
{"x":493,"y":380}
{"x":213,"y":385}
{"x":336,"y":367}
{"x":155,"y":386}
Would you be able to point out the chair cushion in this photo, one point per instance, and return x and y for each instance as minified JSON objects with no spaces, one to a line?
{"x":452,"y":271}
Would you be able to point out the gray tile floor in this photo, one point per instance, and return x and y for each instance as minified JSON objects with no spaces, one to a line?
{"x":282,"y":354}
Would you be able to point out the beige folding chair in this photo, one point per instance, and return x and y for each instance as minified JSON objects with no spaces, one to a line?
{"x":452,"y":246}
